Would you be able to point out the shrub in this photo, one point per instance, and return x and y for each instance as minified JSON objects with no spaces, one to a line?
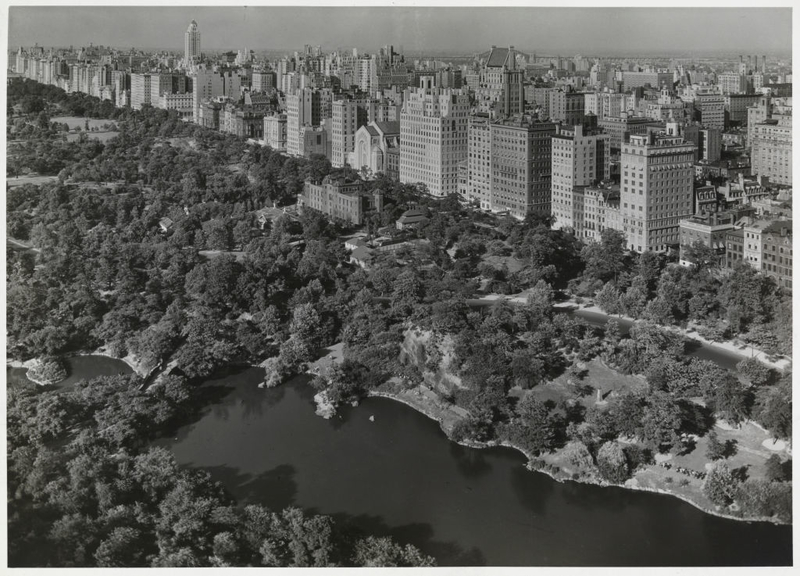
{"x":754,"y":371}
{"x":720,"y":486}
{"x":578,"y":454}
{"x":611,"y":462}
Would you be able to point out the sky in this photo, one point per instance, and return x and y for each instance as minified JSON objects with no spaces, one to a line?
{"x":467,"y":30}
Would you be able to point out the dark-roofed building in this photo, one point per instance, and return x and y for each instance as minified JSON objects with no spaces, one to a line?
{"x":362,"y":256}
{"x":411,"y":219}
{"x":500,"y":88}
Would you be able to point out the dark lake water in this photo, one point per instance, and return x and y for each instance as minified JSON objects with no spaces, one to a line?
{"x":400,"y":476}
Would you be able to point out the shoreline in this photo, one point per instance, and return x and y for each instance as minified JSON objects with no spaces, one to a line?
{"x":127,"y":360}
{"x":428,"y":411}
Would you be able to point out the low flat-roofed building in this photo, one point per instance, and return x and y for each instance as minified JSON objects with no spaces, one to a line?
{"x":711,"y":230}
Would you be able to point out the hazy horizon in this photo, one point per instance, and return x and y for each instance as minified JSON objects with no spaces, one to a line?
{"x":565,"y":31}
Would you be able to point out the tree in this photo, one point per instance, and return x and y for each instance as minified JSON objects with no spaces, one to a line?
{"x":408,"y":291}
{"x":608,"y":299}
{"x":534,"y":429}
{"x":383,"y":552}
{"x":606,"y":259}
{"x":577,"y":454}
{"x":774,"y":408}
{"x":774,"y":469}
{"x":720,"y":485}
{"x":124,"y":547}
{"x":731,"y":400}
{"x":702,"y":256}
{"x":306,"y":325}
{"x":716,"y":449}
{"x":754,"y":371}
{"x":611,"y":462}
{"x":660,"y":422}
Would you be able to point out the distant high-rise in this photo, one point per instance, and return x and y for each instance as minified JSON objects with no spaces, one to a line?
{"x":192,"y":43}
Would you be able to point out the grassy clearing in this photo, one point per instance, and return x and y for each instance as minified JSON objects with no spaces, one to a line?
{"x":78,"y":122}
{"x":513,"y":264}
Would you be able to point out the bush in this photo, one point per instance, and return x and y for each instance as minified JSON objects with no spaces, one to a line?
{"x":611,"y":463}
{"x":759,"y":497}
{"x":720,"y":486}
{"x":754,"y":371}
{"x":577,"y":454}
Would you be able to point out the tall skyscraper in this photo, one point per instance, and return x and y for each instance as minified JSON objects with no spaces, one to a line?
{"x":479,"y":168}
{"x":191,"y":44}
{"x":656,"y":189}
{"x":433,"y":136}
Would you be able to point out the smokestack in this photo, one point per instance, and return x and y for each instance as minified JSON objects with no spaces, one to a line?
{"x":763,"y":64}
{"x":740,"y":59}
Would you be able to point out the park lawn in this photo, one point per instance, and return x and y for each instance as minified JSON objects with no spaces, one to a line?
{"x":35,"y":180}
{"x":599,"y":376}
{"x":750,"y":451}
{"x":513,"y":264}
{"x":78,"y":122}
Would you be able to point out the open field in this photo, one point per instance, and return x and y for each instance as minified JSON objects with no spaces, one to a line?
{"x":78,"y":122}
{"x":34,"y":179}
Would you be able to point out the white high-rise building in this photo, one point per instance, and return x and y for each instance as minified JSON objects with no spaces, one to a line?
{"x":479,"y":163}
{"x":191,"y":44}
{"x":656,"y":190}
{"x":433,"y":136}
{"x":348,"y":117}
{"x":302,"y":109}
{"x":580,"y":157}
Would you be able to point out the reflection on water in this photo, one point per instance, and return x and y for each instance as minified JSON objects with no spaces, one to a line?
{"x":398,"y":475}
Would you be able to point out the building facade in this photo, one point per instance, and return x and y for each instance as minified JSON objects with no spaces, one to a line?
{"x":433,"y":133}
{"x":771,"y":151}
{"x":191,"y":44}
{"x":580,"y":158}
{"x":521,"y":166}
{"x":657,"y":187}
{"x":339,"y":199}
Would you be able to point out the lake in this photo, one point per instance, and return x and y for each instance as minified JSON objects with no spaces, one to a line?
{"x":399,"y":475}
{"x":80,"y":368}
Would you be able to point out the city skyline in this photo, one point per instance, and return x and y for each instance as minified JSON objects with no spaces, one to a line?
{"x":643,"y":31}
